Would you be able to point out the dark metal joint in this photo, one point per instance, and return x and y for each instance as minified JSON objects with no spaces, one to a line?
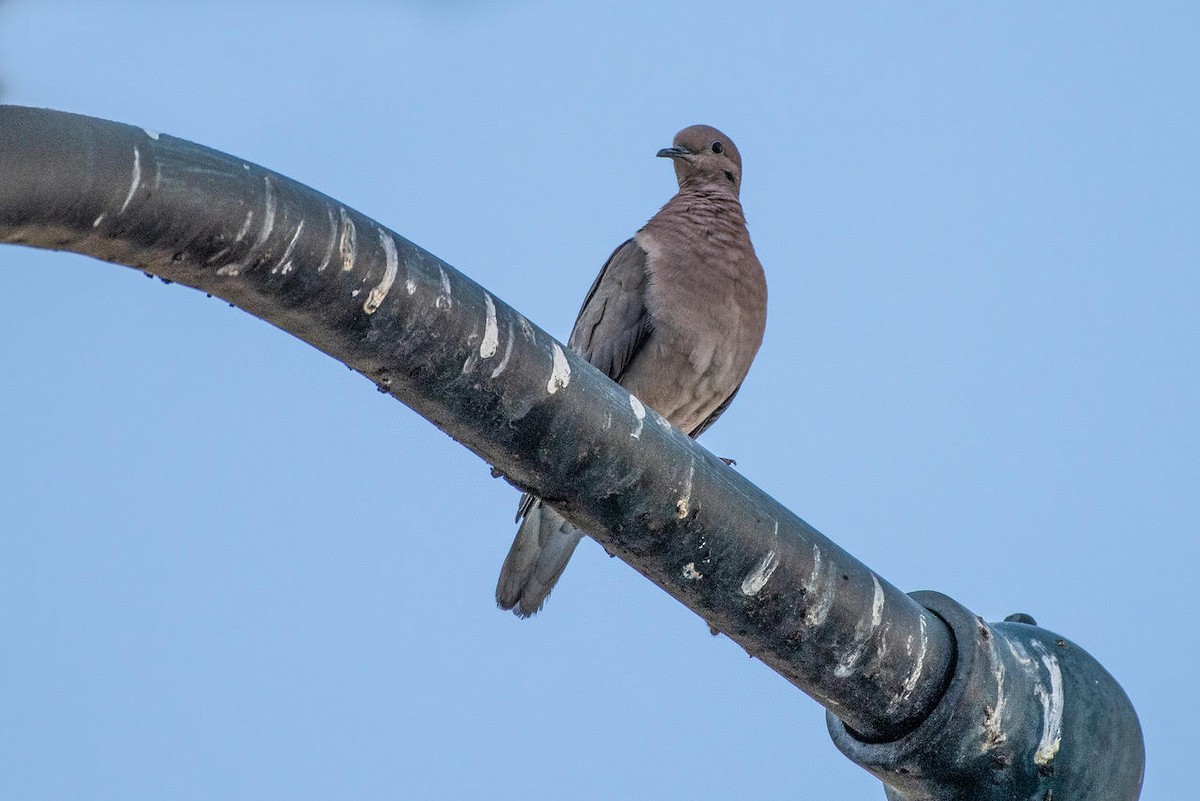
{"x":1025,"y":715}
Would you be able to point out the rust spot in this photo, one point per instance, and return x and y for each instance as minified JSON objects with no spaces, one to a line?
{"x":681,"y":508}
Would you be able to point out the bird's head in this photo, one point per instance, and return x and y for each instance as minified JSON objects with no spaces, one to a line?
{"x":705,"y":157}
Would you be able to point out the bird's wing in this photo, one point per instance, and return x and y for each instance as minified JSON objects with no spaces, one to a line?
{"x":614,"y":323}
{"x":717,"y":412}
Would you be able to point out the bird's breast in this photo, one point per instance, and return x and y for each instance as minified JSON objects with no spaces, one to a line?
{"x":706,"y":297}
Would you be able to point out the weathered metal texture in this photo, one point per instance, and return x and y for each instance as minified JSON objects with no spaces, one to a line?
{"x":429,"y":336}
{"x":483,"y":373}
{"x":1028,"y":716}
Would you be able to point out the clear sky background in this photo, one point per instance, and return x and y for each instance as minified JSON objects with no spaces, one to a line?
{"x":229,"y":568}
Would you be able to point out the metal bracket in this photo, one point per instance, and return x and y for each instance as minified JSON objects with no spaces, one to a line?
{"x":1027,"y":714}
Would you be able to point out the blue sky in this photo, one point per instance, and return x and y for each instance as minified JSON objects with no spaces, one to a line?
{"x":232,"y":569}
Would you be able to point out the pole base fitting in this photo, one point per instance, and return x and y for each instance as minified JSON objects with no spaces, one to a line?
{"x":1027,"y":715}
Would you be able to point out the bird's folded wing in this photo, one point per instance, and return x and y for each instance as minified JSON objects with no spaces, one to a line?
{"x":613,"y":323}
{"x":717,"y":412}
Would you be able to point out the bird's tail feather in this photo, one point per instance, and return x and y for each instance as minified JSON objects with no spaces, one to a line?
{"x":539,"y":553}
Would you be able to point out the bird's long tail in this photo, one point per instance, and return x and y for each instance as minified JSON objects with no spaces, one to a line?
{"x":542,"y":548}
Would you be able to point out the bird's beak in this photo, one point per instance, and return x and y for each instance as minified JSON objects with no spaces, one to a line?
{"x":673,"y":152}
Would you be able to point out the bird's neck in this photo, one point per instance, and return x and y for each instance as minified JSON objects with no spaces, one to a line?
{"x":708,"y":205}
{"x":709,"y":187}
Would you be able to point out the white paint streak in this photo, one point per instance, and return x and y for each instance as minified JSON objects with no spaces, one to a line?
{"x":410,"y":286}
{"x":491,"y":331}
{"x":237,"y":238}
{"x":993,"y":719}
{"x":135,"y":181}
{"x":884,"y":642}
{"x":1052,"y":708}
{"x":1020,"y":654}
{"x":285,"y":261}
{"x":560,"y":371}
{"x":760,"y":575}
{"x":691,"y":573}
{"x":347,"y":241}
{"x":96,"y":222}
{"x":821,"y":587}
{"x":268,"y":212}
{"x":268,"y":224}
{"x":151,"y":134}
{"x":507,"y":352}
{"x":876,"y":604}
{"x":639,"y":413}
{"x":391,"y":266}
{"x":914,"y":677}
{"x":443,"y":300}
{"x":683,"y":506}
{"x":245,"y":229}
{"x":333,"y":240}
{"x":863,"y":632}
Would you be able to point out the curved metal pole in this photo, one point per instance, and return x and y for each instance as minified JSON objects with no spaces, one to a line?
{"x":477,"y":369}
{"x":550,"y":423}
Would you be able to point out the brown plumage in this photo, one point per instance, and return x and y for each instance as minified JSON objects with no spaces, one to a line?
{"x":675,"y":316}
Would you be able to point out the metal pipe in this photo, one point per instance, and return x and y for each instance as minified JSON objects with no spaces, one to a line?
{"x":936,"y":703}
{"x":477,"y":369}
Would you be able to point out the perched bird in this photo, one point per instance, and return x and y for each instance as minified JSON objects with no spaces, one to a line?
{"x":675,"y":316}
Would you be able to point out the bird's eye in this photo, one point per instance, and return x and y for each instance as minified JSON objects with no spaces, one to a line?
{"x":717,"y":147}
